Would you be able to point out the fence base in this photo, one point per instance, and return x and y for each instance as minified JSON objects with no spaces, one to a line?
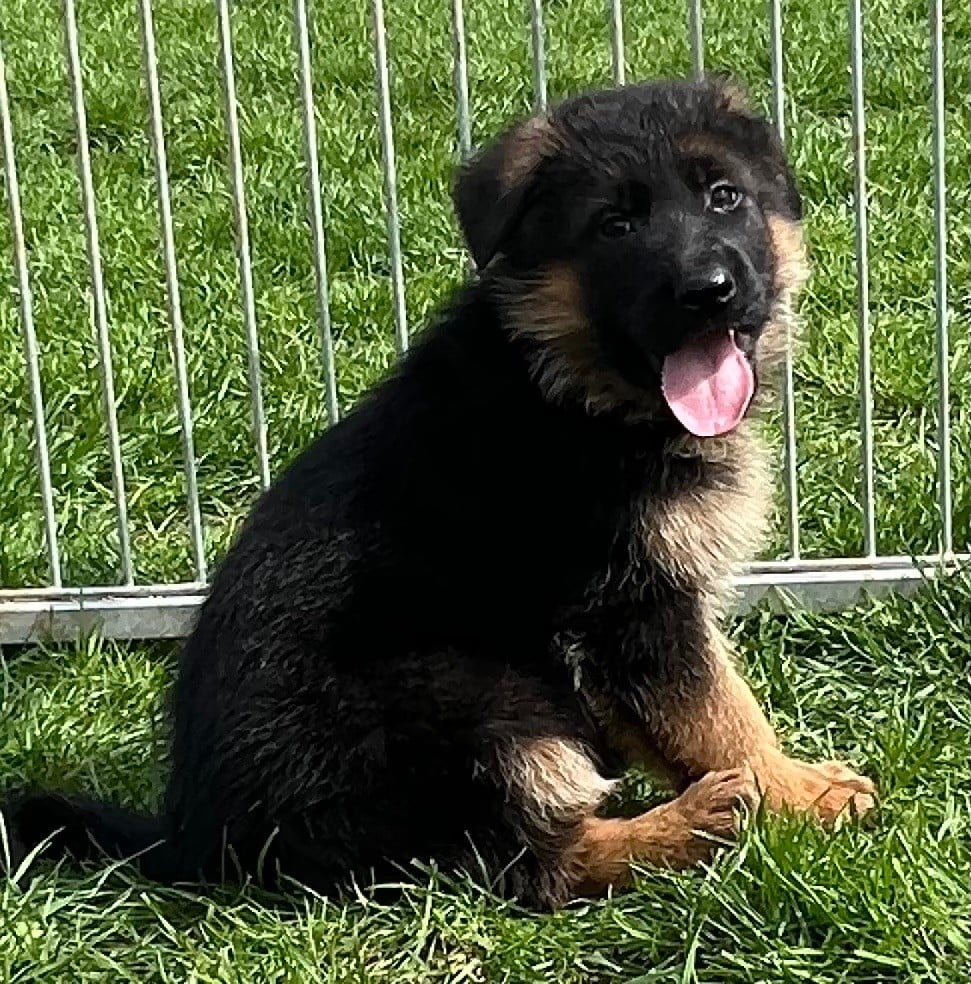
{"x":167,"y":611}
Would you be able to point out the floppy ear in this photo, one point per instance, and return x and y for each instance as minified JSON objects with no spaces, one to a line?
{"x":491,"y":189}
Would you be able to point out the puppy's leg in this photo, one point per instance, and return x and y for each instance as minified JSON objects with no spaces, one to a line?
{"x":491,"y":770}
{"x":553,"y":788}
{"x":524,"y":785}
{"x":678,"y":834}
{"x":715,"y":723}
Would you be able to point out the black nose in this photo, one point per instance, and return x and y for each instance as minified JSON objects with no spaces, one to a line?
{"x":707,"y":289}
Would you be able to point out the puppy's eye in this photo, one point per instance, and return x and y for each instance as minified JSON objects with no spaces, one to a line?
{"x":616,"y":226}
{"x":723,"y":197}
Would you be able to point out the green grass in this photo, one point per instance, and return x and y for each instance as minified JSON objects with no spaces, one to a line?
{"x":885,"y":686}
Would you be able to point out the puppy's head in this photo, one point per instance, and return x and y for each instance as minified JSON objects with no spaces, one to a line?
{"x":645,"y":241}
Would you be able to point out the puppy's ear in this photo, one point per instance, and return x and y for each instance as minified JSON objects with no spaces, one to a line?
{"x":730,"y":93}
{"x":762,"y":136}
{"x":491,"y":189}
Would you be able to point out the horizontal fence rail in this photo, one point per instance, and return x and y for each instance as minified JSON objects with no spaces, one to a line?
{"x":168,"y":611}
{"x":127,"y":610}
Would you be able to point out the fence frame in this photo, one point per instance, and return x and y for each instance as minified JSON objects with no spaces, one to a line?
{"x":127,"y":610}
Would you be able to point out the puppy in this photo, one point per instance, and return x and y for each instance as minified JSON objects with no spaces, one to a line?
{"x":500,"y":579}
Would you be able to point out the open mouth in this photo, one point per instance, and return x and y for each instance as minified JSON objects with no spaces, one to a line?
{"x":709,"y":382}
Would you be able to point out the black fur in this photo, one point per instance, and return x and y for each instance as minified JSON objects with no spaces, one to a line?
{"x":403,"y":604}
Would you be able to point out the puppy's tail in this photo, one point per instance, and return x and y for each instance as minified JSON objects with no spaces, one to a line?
{"x":53,"y":827}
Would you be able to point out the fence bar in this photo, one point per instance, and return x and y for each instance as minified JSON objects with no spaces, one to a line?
{"x":863,"y":274}
{"x":242,"y":238}
{"x":805,"y":569}
{"x":788,"y":382}
{"x":390,"y":173}
{"x":617,"y":41}
{"x":537,"y":30}
{"x":31,"y":354}
{"x":98,"y":300}
{"x":460,"y":79}
{"x":940,"y":279}
{"x":173,"y":294}
{"x":777,"y":67}
{"x":168,"y":611}
{"x":696,"y":30}
{"x":302,"y":37}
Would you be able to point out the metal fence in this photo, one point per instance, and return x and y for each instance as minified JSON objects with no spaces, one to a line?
{"x":130,"y":610}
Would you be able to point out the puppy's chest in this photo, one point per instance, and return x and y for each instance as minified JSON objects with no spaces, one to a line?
{"x":697,"y":537}
{"x":691,"y":523}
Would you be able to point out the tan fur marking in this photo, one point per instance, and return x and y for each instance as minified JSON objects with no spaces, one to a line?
{"x":671,"y":835}
{"x":567,"y":362}
{"x":735,"y":99}
{"x":791,"y":273}
{"x":789,"y":251}
{"x":723,"y":727}
{"x":531,"y":142}
{"x":704,"y":146}
{"x":700,"y":535}
{"x":554,"y":780}
{"x":551,"y":308}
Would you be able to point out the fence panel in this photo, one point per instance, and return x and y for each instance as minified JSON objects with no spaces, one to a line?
{"x":160,"y":608}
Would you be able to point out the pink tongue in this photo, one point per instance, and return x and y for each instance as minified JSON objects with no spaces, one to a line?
{"x":708,"y":384}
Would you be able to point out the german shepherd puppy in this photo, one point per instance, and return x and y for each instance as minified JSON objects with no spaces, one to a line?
{"x":500,"y":579}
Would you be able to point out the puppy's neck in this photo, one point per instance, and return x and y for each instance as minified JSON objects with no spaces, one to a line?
{"x":709,"y":514}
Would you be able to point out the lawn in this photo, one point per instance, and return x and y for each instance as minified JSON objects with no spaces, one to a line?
{"x":885,"y":686}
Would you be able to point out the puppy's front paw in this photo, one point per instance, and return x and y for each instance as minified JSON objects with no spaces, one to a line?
{"x":712,"y":804}
{"x":829,"y":791}
{"x":707,"y":812}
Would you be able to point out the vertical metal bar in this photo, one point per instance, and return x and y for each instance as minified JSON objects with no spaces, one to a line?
{"x":777,"y":68}
{"x":788,"y":383}
{"x":31,"y":353}
{"x":242,"y":238}
{"x":460,"y":78}
{"x":390,"y":173}
{"x":617,"y":41}
{"x":302,"y":36}
{"x":538,"y":43}
{"x":862,"y":270}
{"x":98,"y":300}
{"x":696,"y":33}
{"x":173,"y":294}
{"x":940,"y":279}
